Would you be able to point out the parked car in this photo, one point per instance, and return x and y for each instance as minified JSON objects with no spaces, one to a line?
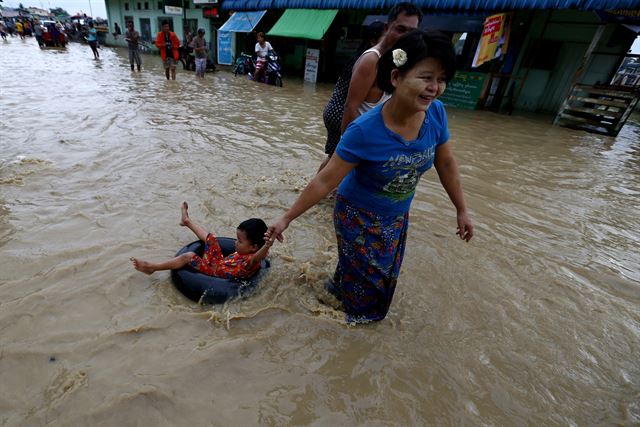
{"x":52,"y":35}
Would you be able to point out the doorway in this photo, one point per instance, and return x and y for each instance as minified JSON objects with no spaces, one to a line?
{"x":189,"y":26}
{"x":145,"y":29}
{"x":559,"y":83}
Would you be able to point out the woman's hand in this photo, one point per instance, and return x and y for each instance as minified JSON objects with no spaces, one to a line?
{"x":275,"y":230}
{"x":465,"y":226}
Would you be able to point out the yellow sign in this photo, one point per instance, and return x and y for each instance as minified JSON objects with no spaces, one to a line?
{"x":495,"y":39}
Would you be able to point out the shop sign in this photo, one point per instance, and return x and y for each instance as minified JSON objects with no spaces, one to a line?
{"x":495,"y":39}
{"x":205,"y":1}
{"x":226,"y":47}
{"x":311,"y":65}
{"x":210,"y":12}
{"x":173,"y":10}
{"x":464,"y":90}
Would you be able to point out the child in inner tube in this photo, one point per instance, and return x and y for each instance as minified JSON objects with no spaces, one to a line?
{"x":251,"y":249}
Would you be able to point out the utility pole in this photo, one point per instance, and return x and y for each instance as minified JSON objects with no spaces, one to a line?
{"x":185,"y":3}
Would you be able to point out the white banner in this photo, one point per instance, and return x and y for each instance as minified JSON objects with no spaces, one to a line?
{"x":311,"y":65}
{"x":205,"y":1}
{"x":173,"y":10}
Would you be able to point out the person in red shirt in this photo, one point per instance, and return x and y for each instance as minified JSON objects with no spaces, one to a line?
{"x":168,"y":43}
{"x":251,"y":249}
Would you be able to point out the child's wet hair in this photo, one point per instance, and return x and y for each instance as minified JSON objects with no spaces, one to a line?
{"x":417,"y":45}
{"x":254,"y":228}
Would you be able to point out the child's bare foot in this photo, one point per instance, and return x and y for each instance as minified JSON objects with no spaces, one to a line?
{"x":184,"y":221}
{"x":142,"y":266}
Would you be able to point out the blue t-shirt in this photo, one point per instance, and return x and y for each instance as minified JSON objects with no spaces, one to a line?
{"x":93,"y":35}
{"x":389,"y":167}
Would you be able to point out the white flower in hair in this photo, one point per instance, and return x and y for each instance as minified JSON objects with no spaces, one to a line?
{"x":399,"y":57}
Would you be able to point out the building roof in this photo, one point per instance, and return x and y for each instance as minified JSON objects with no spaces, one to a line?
{"x":441,"y":5}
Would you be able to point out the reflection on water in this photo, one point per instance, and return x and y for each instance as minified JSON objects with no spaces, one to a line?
{"x":535,"y":322}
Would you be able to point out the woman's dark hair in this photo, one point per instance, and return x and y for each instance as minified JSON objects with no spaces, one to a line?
{"x":254,"y":228}
{"x":165,"y":22}
{"x":260,"y":34}
{"x":407,"y":8}
{"x":417,"y":45}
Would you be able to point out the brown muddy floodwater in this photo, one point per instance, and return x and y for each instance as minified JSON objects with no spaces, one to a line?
{"x":535,"y":322}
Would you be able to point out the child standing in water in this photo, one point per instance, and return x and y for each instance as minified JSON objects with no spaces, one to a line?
{"x":251,"y":249}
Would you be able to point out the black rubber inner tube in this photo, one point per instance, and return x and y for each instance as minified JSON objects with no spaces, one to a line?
{"x":199,"y":287}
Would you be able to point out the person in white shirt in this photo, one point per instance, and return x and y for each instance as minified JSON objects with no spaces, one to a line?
{"x":262,"y":49}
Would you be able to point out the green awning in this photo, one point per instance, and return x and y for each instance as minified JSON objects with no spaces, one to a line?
{"x":304,"y":23}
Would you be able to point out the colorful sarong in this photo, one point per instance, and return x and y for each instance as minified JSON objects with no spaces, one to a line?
{"x":370,"y":253}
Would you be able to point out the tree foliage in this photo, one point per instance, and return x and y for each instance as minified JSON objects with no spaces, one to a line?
{"x":58,"y":11}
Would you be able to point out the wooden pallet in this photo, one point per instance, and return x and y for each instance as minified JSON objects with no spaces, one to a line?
{"x":599,"y":109}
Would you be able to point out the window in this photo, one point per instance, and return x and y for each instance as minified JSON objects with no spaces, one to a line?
{"x":126,"y":6}
{"x":159,"y":5}
{"x":621,"y":36}
{"x":139,"y":6}
{"x":458,"y":42}
{"x":146,"y":5}
{"x":145,"y":29}
{"x":190,"y":25}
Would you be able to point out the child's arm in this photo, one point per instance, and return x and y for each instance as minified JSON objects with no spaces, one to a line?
{"x":262,"y":252}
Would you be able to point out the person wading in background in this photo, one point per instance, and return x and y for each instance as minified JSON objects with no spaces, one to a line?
{"x":364,"y":94}
{"x":199,"y":45}
{"x":169,"y":45}
{"x":332,"y":114}
{"x":131,"y":36}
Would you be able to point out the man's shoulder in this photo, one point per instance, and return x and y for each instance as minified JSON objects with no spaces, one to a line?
{"x":367,"y":62}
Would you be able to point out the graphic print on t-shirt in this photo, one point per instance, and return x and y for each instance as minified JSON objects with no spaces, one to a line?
{"x":407,"y":171}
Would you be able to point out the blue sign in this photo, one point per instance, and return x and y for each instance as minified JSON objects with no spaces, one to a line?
{"x":225,"y":47}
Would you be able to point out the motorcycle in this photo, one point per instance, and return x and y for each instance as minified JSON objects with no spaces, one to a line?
{"x":244,"y":65}
{"x":270,"y":74}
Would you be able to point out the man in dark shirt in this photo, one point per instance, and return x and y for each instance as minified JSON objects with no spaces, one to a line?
{"x":131,"y":36}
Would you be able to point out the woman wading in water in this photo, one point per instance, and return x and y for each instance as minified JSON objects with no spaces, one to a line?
{"x":381,"y":157}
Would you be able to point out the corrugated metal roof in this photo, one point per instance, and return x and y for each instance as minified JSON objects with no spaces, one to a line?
{"x":460,"y":5}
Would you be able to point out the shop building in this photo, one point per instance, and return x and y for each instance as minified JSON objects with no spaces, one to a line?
{"x":555,"y":57}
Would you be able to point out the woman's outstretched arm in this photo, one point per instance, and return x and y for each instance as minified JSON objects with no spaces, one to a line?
{"x":449,"y":175}
{"x":325,"y":181}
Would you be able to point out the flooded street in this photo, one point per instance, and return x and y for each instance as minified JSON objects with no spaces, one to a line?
{"x":535,"y":322}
